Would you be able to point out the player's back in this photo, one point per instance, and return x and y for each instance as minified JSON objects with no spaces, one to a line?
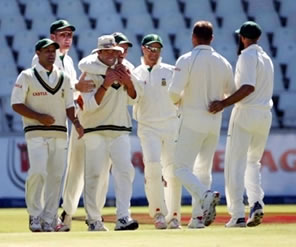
{"x":210,"y":77}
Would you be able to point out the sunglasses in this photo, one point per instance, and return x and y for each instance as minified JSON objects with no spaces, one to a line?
{"x":153,"y":49}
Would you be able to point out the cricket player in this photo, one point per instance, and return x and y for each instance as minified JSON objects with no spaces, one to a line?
{"x":105,"y":115}
{"x":43,"y":96}
{"x":61,"y":31}
{"x":248,"y":128}
{"x":201,"y":76}
{"x":157,"y":129}
{"x":74,"y":177}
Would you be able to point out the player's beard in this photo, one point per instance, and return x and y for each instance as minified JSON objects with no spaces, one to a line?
{"x":240,"y":46}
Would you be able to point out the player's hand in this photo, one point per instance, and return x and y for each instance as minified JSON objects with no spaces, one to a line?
{"x":46,"y":119}
{"x":84,"y":86}
{"x":111,"y":77}
{"x":216,"y":106}
{"x":79,"y":129}
{"x":124,"y":76}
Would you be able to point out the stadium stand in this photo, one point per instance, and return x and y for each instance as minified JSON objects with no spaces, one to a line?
{"x":23,"y":22}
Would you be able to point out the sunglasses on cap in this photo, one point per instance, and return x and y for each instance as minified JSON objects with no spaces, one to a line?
{"x":153,"y":49}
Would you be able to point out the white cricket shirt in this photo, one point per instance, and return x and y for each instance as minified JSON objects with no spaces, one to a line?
{"x":202,"y":76}
{"x":155,"y":105}
{"x":111,"y":116}
{"x":254,"y":67}
{"x":48,"y":95}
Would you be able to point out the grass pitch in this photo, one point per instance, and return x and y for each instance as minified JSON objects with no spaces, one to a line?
{"x":14,"y":232}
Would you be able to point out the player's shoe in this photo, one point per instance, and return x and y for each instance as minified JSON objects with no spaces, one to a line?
{"x":64,"y":222}
{"x":236,"y":222}
{"x":208,"y":205}
{"x":35,"y":224}
{"x":97,"y":226}
{"x":174,"y":224}
{"x":126,"y":223}
{"x":159,"y":221}
{"x":256,"y":215}
{"x":47,"y":227}
{"x":196,"y":223}
{"x":61,"y":227}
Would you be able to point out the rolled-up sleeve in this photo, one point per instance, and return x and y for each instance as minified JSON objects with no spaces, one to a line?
{"x":246,"y":70}
{"x":90,"y":65}
{"x":180,"y":76}
{"x":139,"y":87}
{"x":20,"y":89}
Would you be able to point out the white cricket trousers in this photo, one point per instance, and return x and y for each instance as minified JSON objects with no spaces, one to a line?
{"x":74,"y":178}
{"x":194,"y":161}
{"x":158,"y":146}
{"x":73,"y":185}
{"x":47,"y":158}
{"x":246,"y":139}
{"x":98,"y":150}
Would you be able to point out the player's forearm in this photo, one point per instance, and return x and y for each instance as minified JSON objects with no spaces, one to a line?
{"x":132,"y":92}
{"x":130,"y":89}
{"x":25,"y":111}
{"x":240,"y":94}
{"x":75,"y":121}
{"x":71,"y":114}
{"x":99,"y":95}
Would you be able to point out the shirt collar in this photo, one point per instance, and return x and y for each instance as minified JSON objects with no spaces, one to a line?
{"x":40,"y":68}
{"x":203,"y":47}
{"x":58,"y":53}
{"x":146,"y":66}
{"x":253,"y":47}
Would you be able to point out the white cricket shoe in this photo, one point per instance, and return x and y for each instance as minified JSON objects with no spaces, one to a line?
{"x":126,"y":223}
{"x":236,"y":222}
{"x":174,"y":224}
{"x":159,"y":221}
{"x":47,"y":227}
{"x":35,"y":224}
{"x":196,"y":223}
{"x":208,"y":205}
{"x":97,"y":226}
{"x":61,"y":227}
{"x":256,"y":215}
{"x":63,"y":222}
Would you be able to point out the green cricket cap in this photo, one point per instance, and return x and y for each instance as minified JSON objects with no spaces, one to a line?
{"x":60,"y":24}
{"x":152,"y":38}
{"x":250,"y":30}
{"x":120,"y":38}
{"x":45,"y":43}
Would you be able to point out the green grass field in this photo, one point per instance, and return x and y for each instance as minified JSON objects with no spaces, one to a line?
{"x":14,"y":232}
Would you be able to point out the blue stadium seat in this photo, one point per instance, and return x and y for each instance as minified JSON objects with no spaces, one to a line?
{"x":108,"y":23}
{"x":98,"y":7}
{"x":8,"y":8}
{"x":287,"y":105}
{"x":37,"y":8}
{"x":12,"y":24}
{"x":42,"y":24}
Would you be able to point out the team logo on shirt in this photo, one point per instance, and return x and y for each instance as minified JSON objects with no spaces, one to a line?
{"x":18,"y":85}
{"x":63,"y":93}
{"x":163,"y":82}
